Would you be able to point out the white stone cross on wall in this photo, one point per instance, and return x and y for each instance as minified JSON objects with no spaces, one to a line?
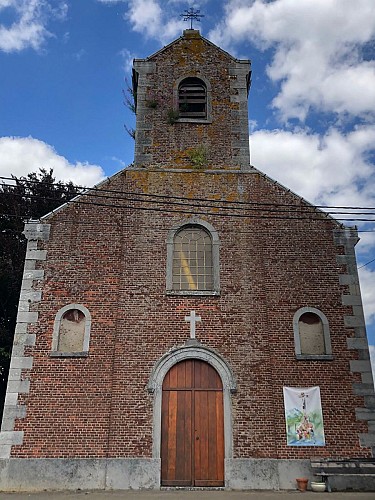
{"x":193,"y":320}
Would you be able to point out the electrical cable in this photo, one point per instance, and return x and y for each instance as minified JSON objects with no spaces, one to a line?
{"x":303,"y":215}
{"x":367,"y":263}
{"x":170,"y":197}
{"x":194,"y":204}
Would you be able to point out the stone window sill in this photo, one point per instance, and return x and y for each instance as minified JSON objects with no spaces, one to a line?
{"x":193,"y":120}
{"x":197,"y":293}
{"x":60,"y":354}
{"x":314,"y":357}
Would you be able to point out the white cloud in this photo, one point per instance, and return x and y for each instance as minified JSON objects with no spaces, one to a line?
{"x":367,"y":245}
{"x":127,"y":58}
{"x":253,"y":125}
{"x":150,"y":17}
{"x":194,"y":4}
{"x":332,"y":169}
{"x":372,"y":357}
{"x":29,"y":29}
{"x":79,"y":54}
{"x":318,"y":59}
{"x":147,"y":17}
{"x":367,"y":280}
{"x":22,"y":155}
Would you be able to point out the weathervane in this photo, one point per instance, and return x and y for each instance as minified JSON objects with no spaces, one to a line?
{"x":190,"y":14}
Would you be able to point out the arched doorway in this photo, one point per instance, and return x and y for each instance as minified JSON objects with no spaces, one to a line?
{"x":192,"y":425}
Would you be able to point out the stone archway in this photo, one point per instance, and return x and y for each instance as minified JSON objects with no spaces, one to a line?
{"x":162,"y":367}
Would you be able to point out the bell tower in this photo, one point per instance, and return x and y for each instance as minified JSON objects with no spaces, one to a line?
{"x":191,"y":107}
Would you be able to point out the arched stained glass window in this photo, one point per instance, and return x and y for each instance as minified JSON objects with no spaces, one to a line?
{"x":192,"y":267}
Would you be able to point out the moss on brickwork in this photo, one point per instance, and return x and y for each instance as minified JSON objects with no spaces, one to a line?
{"x":277,"y":254}
{"x":113,"y":261}
{"x":167,"y":134}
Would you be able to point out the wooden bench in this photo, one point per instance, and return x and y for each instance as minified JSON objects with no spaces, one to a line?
{"x":356,"y":467}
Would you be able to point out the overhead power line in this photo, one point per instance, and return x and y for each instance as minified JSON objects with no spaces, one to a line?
{"x":196,"y":209}
{"x":367,"y":263}
{"x":87,"y":191}
{"x":193,"y":203}
{"x":264,"y":210}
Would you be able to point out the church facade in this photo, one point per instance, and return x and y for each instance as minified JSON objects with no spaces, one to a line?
{"x":169,"y":316}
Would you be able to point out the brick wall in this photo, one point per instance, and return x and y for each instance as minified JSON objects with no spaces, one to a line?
{"x":113,"y":261}
{"x":162,"y":144}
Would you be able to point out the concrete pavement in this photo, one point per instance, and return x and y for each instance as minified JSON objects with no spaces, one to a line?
{"x":187,"y":495}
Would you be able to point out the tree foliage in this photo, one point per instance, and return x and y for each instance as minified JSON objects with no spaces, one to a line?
{"x":21,"y":199}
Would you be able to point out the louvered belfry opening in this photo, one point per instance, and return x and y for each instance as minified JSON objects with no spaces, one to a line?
{"x":192,"y":98}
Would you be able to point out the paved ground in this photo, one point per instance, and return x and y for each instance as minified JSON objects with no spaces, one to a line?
{"x":185,"y":495}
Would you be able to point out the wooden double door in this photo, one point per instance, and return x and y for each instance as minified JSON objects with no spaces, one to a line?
{"x":192,"y":438}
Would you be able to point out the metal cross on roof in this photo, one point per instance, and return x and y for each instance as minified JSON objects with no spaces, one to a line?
{"x":191,"y":14}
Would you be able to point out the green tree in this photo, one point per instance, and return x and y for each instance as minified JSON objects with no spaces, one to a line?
{"x":21,"y":199}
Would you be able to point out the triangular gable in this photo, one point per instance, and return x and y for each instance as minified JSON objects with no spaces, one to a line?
{"x":108,"y":180}
{"x":87,"y":190}
{"x":196,"y":35}
{"x":298,"y":197}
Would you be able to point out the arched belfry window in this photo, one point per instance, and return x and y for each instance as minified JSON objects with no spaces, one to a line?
{"x":193,"y":259}
{"x":192,"y":98}
{"x":311,"y":334}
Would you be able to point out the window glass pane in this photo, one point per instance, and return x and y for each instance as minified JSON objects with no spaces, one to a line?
{"x":192,"y":267}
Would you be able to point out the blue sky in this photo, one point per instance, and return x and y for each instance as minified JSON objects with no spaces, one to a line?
{"x":63,"y":65}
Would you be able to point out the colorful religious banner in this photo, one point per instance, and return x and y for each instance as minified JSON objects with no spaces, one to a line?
{"x":303,"y":416}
